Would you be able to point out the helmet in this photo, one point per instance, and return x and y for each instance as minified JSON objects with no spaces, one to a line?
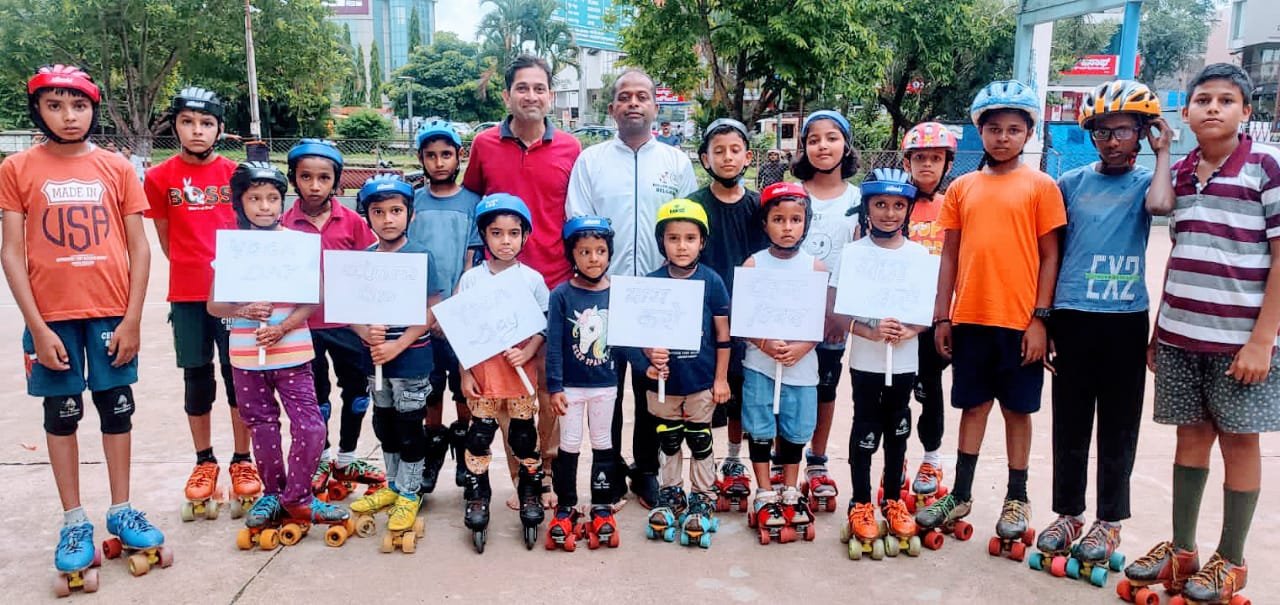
{"x":436,"y":128}
{"x":244,"y":177}
{"x":827,"y":114}
{"x":383,"y":183}
{"x":885,"y":181}
{"x":1120,"y":96}
{"x":929,"y":135}
{"x":61,"y":76}
{"x":1006,"y":94}
{"x":680,"y":209}
{"x":579,"y":226}
{"x":318,"y":148}
{"x":782,"y":191}
{"x":723,"y":125}
{"x":197,"y":99}
{"x":497,"y":204}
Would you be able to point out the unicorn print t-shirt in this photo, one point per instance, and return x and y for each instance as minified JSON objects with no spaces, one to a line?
{"x":577,"y":323}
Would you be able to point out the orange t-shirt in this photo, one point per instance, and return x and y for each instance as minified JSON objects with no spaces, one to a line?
{"x":925,"y":229}
{"x":1000,"y":219}
{"x":77,"y":256}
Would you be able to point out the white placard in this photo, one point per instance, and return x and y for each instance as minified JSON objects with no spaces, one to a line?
{"x":877,"y":283}
{"x":378,"y":288}
{"x":782,"y":305}
{"x":490,"y":318}
{"x":266,"y":266}
{"x":656,"y":312}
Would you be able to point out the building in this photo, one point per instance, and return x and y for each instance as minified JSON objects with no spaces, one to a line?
{"x":386,"y":21}
{"x":599,"y":55}
{"x":1255,"y":37}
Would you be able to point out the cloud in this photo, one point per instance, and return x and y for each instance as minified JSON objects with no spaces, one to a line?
{"x":461,"y":17}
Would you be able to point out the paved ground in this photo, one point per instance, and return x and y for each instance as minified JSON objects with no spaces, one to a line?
{"x":210,"y":569}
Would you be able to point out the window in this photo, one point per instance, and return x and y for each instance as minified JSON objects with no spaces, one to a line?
{"x":1237,"y":19}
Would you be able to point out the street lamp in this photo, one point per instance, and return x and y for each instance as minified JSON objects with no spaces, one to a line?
{"x":411,"y":80}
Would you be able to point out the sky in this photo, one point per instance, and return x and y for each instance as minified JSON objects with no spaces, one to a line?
{"x":460,"y":17}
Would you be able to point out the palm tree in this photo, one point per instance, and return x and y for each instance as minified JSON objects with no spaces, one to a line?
{"x":514,"y":27}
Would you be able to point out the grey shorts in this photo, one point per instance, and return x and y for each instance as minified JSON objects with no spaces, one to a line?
{"x":403,"y":394}
{"x":1193,"y":387}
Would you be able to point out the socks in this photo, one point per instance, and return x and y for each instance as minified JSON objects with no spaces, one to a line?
{"x":326,"y":455}
{"x":345,"y":458}
{"x":205,"y":455}
{"x":966,"y":464}
{"x":1237,"y":514}
{"x":115,"y":508}
{"x":1017,"y":489}
{"x":932,"y":458}
{"x":240,"y":457}
{"x":734,"y":449}
{"x":74,"y":516}
{"x":1188,"y":487}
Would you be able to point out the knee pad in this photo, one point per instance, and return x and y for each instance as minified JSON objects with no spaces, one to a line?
{"x":199,"y":390}
{"x":698,"y":435}
{"x":761,"y":450}
{"x":228,"y":383}
{"x":865,"y":436}
{"x":115,"y":409}
{"x":384,"y":428}
{"x":437,"y":442}
{"x":523,"y":438}
{"x":62,"y":415}
{"x":413,"y":439}
{"x":789,"y":453}
{"x":826,"y":391}
{"x":670,"y":435}
{"x":602,"y":475}
{"x":480,"y":436}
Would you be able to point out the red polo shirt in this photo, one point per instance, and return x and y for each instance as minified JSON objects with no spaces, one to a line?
{"x":345,"y":230}
{"x":539,"y":175}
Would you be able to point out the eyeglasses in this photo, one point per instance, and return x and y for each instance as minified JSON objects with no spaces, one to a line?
{"x":1121,"y":134}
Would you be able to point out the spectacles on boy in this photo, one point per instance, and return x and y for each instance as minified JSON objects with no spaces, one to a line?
{"x":1126,"y":133}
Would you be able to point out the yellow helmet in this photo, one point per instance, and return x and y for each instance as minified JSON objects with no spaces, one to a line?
{"x":681,"y":209}
{"x":1120,"y":96}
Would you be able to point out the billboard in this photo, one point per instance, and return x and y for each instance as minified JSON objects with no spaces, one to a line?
{"x":347,"y":7}
{"x":1100,"y":65}
{"x":586,"y":20}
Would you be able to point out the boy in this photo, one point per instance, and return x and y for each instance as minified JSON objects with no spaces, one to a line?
{"x":1000,"y":261}
{"x":1214,"y":345}
{"x":190,"y":200}
{"x":80,"y":297}
{"x":445,"y":229}
{"x":697,"y":381}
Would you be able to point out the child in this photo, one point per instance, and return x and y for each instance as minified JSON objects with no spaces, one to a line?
{"x":1099,"y":326}
{"x":696,"y":381}
{"x":493,"y":387}
{"x":1214,"y":348}
{"x":404,"y":352}
{"x":1000,"y":261}
{"x":445,"y":228}
{"x":735,"y":234}
{"x":786,"y":216}
{"x":880,"y":410}
{"x":928,"y":152}
{"x":257,"y":196}
{"x":315,"y":169}
{"x":826,"y":161}
{"x":189,"y":201}
{"x":77,"y":294}
{"x":582,"y":380}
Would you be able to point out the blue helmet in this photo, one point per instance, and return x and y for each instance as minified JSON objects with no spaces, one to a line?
{"x":497,"y":204}
{"x":579,"y":226}
{"x":827,"y":114}
{"x":1006,"y":94}
{"x":436,"y":128}
{"x":885,"y":181}
{"x":319,"y":148}
{"x":381,"y":184}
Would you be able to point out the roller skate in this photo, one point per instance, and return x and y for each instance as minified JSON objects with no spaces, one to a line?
{"x":327,"y":488}
{"x":798,"y":513}
{"x":202,"y":492}
{"x":733,"y":487}
{"x":563,"y":531}
{"x":76,"y":558}
{"x":298,"y":520}
{"x":1094,"y":555}
{"x":862,"y":533}
{"x":359,"y":471}
{"x":364,"y":509}
{"x":1217,"y":583}
{"x":818,"y":485}
{"x":601,"y":529}
{"x":404,"y":526}
{"x":246,"y":485}
{"x":457,"y":445}
{"x":645,"y":487}
{"x":767,"y":518}
{"x":945,"y":516}
{"x":899,"y":529}
{"x":476,"y":509}
{"x":1166,"y":565}
{"x":529,"y":489}
{"x":437,"y":447}
{"x":135,"y":536}
{"x":262,"y":524}
{"x":903,"y":491}
{"x":697,"y":524}
{"x":927,"y":486}
{"x":664,"y":519}
{"x":1055,"y":545}
{"x":1013,"y":531}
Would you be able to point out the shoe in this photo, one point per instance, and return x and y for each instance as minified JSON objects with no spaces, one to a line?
{"x":901,"y":523}
{"x":928,"y":479}
{"x":1217,"y":582}
{"x":244,"y":478}
{"x":266,"y":512}
{"x":1099,"y":542}
{"x":375,"y":502}
{"x":359,"y":471}
{"x":862,"y":522}
{"x":318,"y":511}
{"x":1015,"y":516}
{"x":766,"y":509}
{"x":946,"y":510}
{"x":645,"y":487}
{"x":75,"y":549}
{"x":794,"y":510}
{"x":818,"y":483}
{"x":320,"y":478}
{"x":404,"y":513}
{"x":561,"y":529}
{"x":133,"y":529}
{"x":1165,"y":564}
{"x":203,"y":481}
{"x":1060,"y":535}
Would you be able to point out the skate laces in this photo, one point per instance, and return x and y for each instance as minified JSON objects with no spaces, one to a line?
{"x":77,"y":536}
{"x":1013,"y":512}
{"x":1099,"y":536}
{"x":862,"y":514}
{"x":1062,"y":528}
{"x":896,"y":510}
{"x":133,"y":519}
{"x":203,"y":475}
{"x":243,"y":472}
{"x":1213,"y":575}
{"x":1161,"y":551}
{"x":265,"y":506}
{"x":928,"y":471}
{"x":323,"y":511}
{"x":358,"y":468}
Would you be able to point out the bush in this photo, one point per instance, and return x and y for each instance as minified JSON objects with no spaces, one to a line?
{"x":364,"y":124}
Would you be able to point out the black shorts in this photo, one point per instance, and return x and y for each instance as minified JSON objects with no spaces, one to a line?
{"x":830,"y":367}
{"x":986,"y":364}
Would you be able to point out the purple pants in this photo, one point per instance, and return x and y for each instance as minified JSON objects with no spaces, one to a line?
{"x":256,"y":395}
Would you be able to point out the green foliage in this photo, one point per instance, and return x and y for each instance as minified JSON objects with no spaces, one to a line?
{"x":600,"y":104}
{"x":1173,"y":33}
{"x":1077,"y":37}
{"x":375,"y":72}
{"x":351,"y":88}
{"x":364,"y":124}
{"x":415,"y":30}
{"x":446,"y":79}
{"x":514,"y":27}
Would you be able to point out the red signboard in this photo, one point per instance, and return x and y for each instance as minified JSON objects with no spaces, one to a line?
{"x":665,"y":95}
{"x":1100,"y":65}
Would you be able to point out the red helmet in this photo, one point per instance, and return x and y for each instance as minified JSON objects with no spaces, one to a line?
{"x":782,"y":189}
{"x":929,"y":135}
{"x":64,"y":76}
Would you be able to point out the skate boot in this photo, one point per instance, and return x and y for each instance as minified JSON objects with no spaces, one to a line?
{"x":476,"y":511}
{"x":529,"y":489}
{"x":900,"y":531}
{"x":563,"y":530}
{"x":300,"y":517}
{"x":404,"y":526}
{"x":1094,"y":554}
{"x":261,"y":524}
{"x":601,"y":529}
{"x":767,"y":518}
{"x":245,"y":484}
{"x":76,"y":558}
{"x":664,"y":519}
{"x":359,"y":471}
{"x":365,"y":507}
{"x":645,"y":487}
{"x":795,"y":509}
{"x":1013,"y":531}
{"x":733,"y":487}
{"x":697,"y":524}
{"x":457,"y":445}
{"x":1217,"y":583}
{"x":927,"y":486}
{"x":437,"y":447}
{"x":944,"y":517}
{"x":1054,"y":545}
{"x":1165,"y":564}
{"x":818,"y":485}
{"x":320,"y":479}
{"x":139,"y":539}
{"x":863,"y":533}
{"x":201,"y":492}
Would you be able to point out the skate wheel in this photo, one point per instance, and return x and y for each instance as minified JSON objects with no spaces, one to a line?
{"x":882,"y":527}
{"x":366,"y":526}
{"x":1116,"y":562}
{"x":1036,"y":561}
{"x":877,"y":550}
{"x":593,"y":540}
{"x":810,"y":532}
{"x":91,"y":581}
{"x":165,"y":556}
{"x":933,"y":540}
{"x":963,"y":530}
{"x":111,"y":548}
{"x":1069,"y":567}
{"x":913,"y":546}
{"x":335,"y":536}
{"x":1017,"y":551}
{"x":138,"y":564}
{"x":994,"y":547}
{"x":1029,"y":537}
{"x":1124,"y":590}
{"x":615,"y":539}
{"x":742,"y":505}
{"x":388,"y":542}
{"x":269,"y":539}
{"x":570,"y":543}
{"x":891,"y":546}
{"x":831,"y":505}
{"x":722,"y":505}
{"x":244,"y":539}
{"x":188,"y":512}
{"x":911,"y":505}
{"x":211,"y":510}
{"x":1146,"y":596}
{"x":237,"y":509}
{"x":764,"y":536}
{"x":855,"y":550}
{"x":787,"y":535}
{"x":684,"y":539}
{"x":1235,"y":600}
{"x":669,"y":534}
{"x":477,"y":540}
{"x":549,"y":543}
{"x":419,"y":527}
{"x":290,"y":534}
{"x":61,"y":586}
{"x":1098,"y":576}
{"x":844,"y":532}
{"x":704,"y":541}
{"x":530,"y":537}
{"x":649,"y":533}
{"x":97,"y":557}
{"x":752,"y":521}
{"x":408,"y":543}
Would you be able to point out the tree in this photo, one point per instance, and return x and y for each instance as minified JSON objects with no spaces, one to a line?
{"x":415,"y":30}
{"x":1077,"y":37}
{"x":1172,"y":35}
{"x":446,"y":79}
{"x":364,"y":124}
{"x":375,"y":73}
{"x":514,"y":27}
{"x":352,"y":89}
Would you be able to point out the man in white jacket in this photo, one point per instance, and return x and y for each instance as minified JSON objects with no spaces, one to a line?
{"x":625,"y":180}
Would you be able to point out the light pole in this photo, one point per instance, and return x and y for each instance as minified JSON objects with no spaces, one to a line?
{"x":410,"y":91}
{"x":255,"y":125}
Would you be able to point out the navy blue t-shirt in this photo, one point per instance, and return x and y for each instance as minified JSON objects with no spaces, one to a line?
{"x":693,"y":371}
{"x":577,"y":326}
{"x":415,"y":361}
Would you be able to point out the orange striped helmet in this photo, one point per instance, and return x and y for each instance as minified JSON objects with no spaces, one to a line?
{"x":1120,"y":96}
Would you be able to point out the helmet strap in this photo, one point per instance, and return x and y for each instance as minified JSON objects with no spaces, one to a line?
{"x":202,"y":156}
{"x":878,"y":233}
{"x":591,"y":280}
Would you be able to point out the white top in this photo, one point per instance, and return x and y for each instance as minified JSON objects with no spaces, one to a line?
{"x":868,"y":355}
{"x":832,"y":227}
{"x":627,"y":187}
{"x":805,"y":372}
{"x":479,"y":273}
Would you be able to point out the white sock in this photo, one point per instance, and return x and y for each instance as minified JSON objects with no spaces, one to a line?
{"x":326,"y":455}
{"x":345,"y":458}
{"x":734,"y":449}
{"x":74,"y":516}
{"x":933,"y":458}
{"x":115,"y":508}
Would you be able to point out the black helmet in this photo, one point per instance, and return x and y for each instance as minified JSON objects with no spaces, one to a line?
{"x":197,"y":99}
{"x":244,"y":177}
{"x":718,"y":127}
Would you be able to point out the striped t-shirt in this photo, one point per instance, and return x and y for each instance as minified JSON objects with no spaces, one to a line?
{"x":293,"y":349}
{"x":1221,"y":253}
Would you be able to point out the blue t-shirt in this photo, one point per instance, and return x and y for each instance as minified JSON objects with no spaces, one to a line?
{"x":1104,"y":259}
{"x":446,"y":228}
{"x":693,"y":371}
{"x":577,"y":324}
{"x":415,"y":361}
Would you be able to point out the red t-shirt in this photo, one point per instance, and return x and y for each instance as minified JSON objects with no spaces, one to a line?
{"x":196,"y":200}
{"x":539,"y":175}
{"x":345,"y":230}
